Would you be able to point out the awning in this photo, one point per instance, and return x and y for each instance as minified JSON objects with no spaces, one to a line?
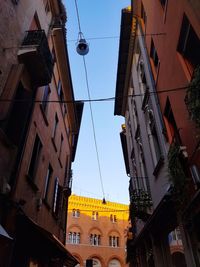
{"x":4,"y":234}
{"x":39,"y":243}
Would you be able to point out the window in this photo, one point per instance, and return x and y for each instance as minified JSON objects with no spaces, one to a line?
{"x":153,"y":54}
{"x":113,"y":218}
{"x":55,"y":127}
{"x":60,"y":91}
{"x":45,"y":97}
{"x":13,"y":125}
{"x":163,"y":3}
{"x":47,"y":182}
{"x":53,"y":55}
{"x":95,"y":215}
{"x":61,"y":97}
{"x":63,"y":220}
{"x":188,"y":45}
{"x":153,"y":135}
{"x":46,"y":6}
{"x":74,"y":238}
{"x":143,"y":13}
{"x":114,"y":241}
{"x":15,"y":2}
{"x":56,"y":198}
{"x":60,"y":150}
{"x":95,"y":239}
{"x":35,"y":158}
{"x":75,"y":213}
{"x":170,"y":123}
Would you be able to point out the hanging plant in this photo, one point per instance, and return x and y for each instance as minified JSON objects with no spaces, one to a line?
{"x":192,"y":98}
{"x":140,"y":202}
{"x":177,"y":174}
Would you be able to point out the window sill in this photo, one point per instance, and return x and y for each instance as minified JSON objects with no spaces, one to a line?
{"x":44,"y":115}
{"x":32,"y":183}
{"x":158,"y":165}
{"x":53,"y":142}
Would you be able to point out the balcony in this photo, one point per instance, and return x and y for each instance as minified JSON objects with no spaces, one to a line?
{"x":141,"y":203}
{"x":34,"y":53}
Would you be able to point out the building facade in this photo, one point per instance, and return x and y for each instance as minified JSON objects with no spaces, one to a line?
{"x":39,"y":127}
{"x":156,"y":90}
{"x":97,"y":231}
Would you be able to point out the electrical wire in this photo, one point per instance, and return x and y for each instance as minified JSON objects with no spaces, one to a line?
{"x":97,"y":99}
{"x":90,"y":105}
{"x":78,"y":17}
{"x":93,"y":127}
{"x":117,"y":37}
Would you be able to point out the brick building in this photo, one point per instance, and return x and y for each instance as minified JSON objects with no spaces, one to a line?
{"x":97,"y":231}
{"x":157,"y":88}
{"x":38,"y":133}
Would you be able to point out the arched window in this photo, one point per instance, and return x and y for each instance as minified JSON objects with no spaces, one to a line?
{"x":114,"y":241}
{"x":74,"y":238}
{"x":95,"y":240}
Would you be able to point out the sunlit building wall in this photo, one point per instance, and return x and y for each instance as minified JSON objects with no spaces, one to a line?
{"x":97,"y":231}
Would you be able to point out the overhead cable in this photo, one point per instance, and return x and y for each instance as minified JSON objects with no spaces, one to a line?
{"x":91,"y":112}
{"x":96,"y":99}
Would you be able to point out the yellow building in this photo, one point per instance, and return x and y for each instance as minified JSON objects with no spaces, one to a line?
{"x":97,"y":231}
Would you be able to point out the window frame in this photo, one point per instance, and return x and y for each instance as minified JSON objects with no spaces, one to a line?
{"x":48,"y":178}
{"x":56,"y":198}
{"x":187,"y":37}
{"x":154,"y":55}
{"x":35,"y":158}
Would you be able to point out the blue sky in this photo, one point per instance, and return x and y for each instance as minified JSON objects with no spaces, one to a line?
{"x":98,"y":19}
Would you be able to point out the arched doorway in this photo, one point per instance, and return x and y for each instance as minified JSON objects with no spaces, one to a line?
{"x":178,"y":259}
{"x":96,"y":262}
{"x":114,"y":263}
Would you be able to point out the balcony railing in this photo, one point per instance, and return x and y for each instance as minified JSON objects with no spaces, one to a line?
{"x":34,"y":53}
{"x":141,"y":202}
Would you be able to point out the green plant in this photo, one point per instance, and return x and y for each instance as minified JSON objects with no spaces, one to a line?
{"x":192,"y":98}
{"x":177,"y":174}
{"x":140,"y":201}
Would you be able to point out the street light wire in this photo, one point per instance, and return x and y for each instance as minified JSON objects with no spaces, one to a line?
{"x":90,"y":105}
{"x":78,"y":17}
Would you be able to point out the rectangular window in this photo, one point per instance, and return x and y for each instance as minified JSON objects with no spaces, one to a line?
{"x":170,"y":124}
{"x":53,"y":55}
{"x":45,"y":97}
{"x":47,"y":183}
{"x":64,"y":212}
{"x":153,"y":54}
{"x":156,"y":142}
{"x":61,"y":97}
{"x":35,"y":158}
{"x":55,"y":127}
{"x":143,"y":13}
{"x":60,"y":91}
{"x":163,"y":3}
{"x":188,"y":45}
{"x":56,"y":198}
{"x":61,"y":144}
